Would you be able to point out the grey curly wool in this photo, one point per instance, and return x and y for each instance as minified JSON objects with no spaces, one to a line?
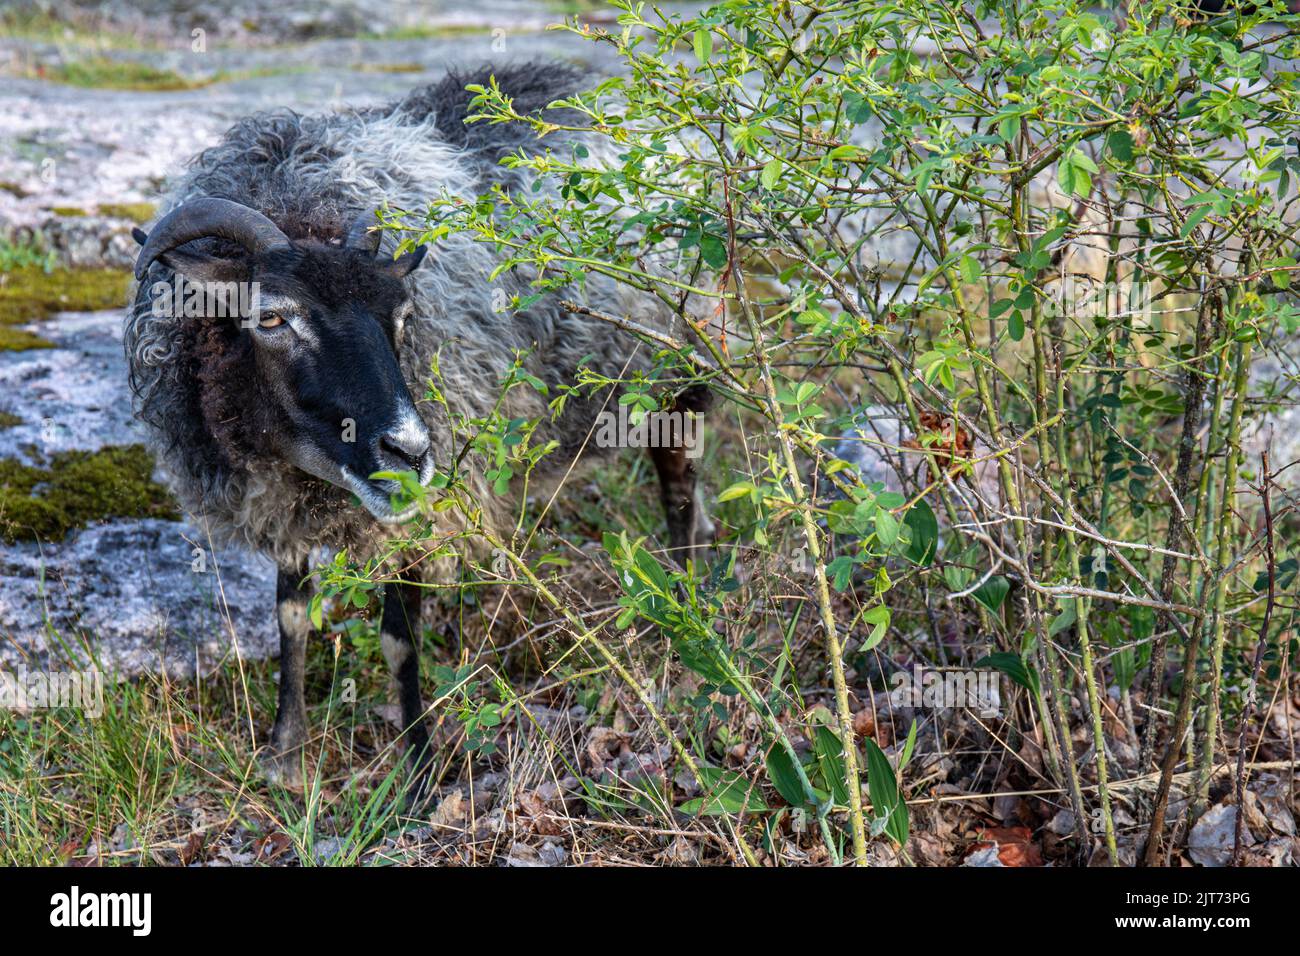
{"x":312,"y":175}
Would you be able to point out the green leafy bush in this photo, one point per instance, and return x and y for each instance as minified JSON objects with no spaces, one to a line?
{"x":1055,"y":238}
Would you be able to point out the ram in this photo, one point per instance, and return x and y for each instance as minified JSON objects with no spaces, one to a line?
{"x":270,"y":421}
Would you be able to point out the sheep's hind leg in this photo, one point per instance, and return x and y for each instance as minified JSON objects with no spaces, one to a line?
{"x":282,"y":765}
{"x":689,"y":528}
{"x":399,"y":637}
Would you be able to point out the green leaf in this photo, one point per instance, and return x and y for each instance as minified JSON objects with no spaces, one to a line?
{"x":713,"y":250}
{"x":1074,"y":173}
{"x":1063,"y":620}
{"x":830,"y":759}
{"x":886,"y":801}
{"x":727,"y":792}
{"x":771,"y":174}
{"x":857,"y":109}
{"x":841,"y":572}
{"x":1125,"y":663}
{"x":1082,"y":160}
{"x":1008,"y":127}
{"x":1016,"y":326}
{"x":970,"y":269}
{"x":886,"y":528}
{"x":1120,"y":144}
{"x":923,"y":525}
{"x":781,"y":771}
{"x":701,"y":659}
{"x":1014,"y":667}
{"x":992,"y":592}
{"x":908,"y":747}
{"x":650,"y":567}
{"x":878,"y":617}
{"x":703,"y":45}
{"x":739,"y":490}
{"x":1194,"y":220}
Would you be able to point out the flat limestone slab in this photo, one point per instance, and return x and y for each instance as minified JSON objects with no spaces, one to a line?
{"x":126,"y":596}
{"x":132,"y":594}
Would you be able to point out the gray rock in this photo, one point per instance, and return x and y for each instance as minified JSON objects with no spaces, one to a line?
{"x":72,"y":397}
{"x":871,"y":446}
{"x":128,"y":597}
{"x":68,"y":146}
{"x":88,"y":242}
{"x":1276,"y":376}
{"x":126,"y":594}
{"x":256,"y":22}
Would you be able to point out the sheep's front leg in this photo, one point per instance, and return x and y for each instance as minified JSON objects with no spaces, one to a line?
{"x":283,"y":765}
{"x":400,"y":639}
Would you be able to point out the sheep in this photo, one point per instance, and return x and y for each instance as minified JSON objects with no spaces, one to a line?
{"x":249,"y":419}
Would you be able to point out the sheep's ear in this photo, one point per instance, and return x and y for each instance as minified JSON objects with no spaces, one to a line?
{"x":403,"y":266}
{"x":198,"y":268}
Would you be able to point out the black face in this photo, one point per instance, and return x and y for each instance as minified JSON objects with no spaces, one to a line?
{"x":324,"y":324}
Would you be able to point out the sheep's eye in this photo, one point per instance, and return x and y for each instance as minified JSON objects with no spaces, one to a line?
{"x":269,"y":320}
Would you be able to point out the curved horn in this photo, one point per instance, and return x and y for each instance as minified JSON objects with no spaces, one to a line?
{"x":204,"y":217}
{"x":360,"y":235}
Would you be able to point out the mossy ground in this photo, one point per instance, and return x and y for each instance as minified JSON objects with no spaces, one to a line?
{"x":389,"y":67}
{"x":108,"y":73}
{"x":30,"y":293}
{"x":105,"y":73}
{"x":20,"y":340}
{"x":137,"y":212}
{"x":76,"y":488}
{"x":425,"y":32}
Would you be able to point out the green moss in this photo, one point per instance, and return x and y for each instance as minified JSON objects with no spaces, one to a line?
{"x":76,"y":489}
{"x":31,"y":293}
{"x":100,"y":72}
{"x":108,"y":73}
{"x":418,"y":32}
{"x":138,"y":212}
{"x":9,"y":420}
{"x":20,"y":340}
{"x":388,"y":67}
